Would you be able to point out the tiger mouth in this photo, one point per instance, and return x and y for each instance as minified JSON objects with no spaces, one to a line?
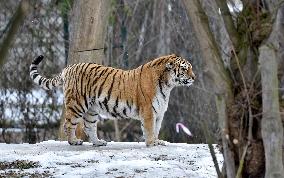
{"x":186,"y":82}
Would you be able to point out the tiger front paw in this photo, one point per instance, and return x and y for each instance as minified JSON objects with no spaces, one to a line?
{"x":150,"y":143}
{"x":155,"y":143}
{"x":160,"y":142}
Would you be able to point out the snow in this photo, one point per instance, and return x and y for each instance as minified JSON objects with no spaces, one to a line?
{"x":117,"y":159}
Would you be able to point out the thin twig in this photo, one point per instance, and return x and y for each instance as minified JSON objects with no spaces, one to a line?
{"x":247,"y":95}
{"x":239,"y":172}
{"x":250,"y":116}
{"x":211,"y":148}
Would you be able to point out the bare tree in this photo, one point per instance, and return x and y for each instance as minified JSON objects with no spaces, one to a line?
{"x":87,"y":37}
{"x":13,"y":27}
{"x":27,"y":110}
{"x":249,"y":115}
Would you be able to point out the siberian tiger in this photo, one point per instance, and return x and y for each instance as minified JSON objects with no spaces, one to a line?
{"x":93,"y":91}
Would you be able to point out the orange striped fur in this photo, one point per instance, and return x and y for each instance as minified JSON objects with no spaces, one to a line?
{"x":94,"y":92}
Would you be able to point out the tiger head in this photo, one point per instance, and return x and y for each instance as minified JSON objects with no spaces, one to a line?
{"x":180,"y":71}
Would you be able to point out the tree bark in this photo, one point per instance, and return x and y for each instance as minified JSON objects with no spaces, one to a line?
{"x":214,"y":70}
{"x":272,"y":129}
{"x":88,"y":29}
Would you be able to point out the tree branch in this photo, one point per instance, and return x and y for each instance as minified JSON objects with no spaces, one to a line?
{"x":16,"y":21}
{"x":228,"y":21}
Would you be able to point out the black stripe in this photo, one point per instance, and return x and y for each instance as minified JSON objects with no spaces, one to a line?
{"x":96,"y":68}
{"x":154,"y":109}
{"x":101,"y":106}
{"x":46,"y":84}
{"x":89,"y":86}
{"x":37,"y":60}
{"x":113,"y":115}
{"x":40,"y":81}
{"x":116,"y":103}
{"x":93,"y":100}
{"x":85,"y":125}
{"x":101,"y":87}
{"x":167,"y":83}
{"x":96,"y":77}
{"x":77,"y":114}
{"x":128,"y":105}
{"x":33,"y":68}
{"x":95,"y":93}
{"x":134,"y":75}
{"x":53,"y":82}
{"x":111,"y":86}
{"x":85,"y":119}
{"x":117,"y":115}
{"x":81,"y":73}
{"x":161,"y":89}
{"x":76,"y":83}
{"x":103,"y":71}
{"x":99,"y":74}
{"x":93,"y":114}
{"x":124,"y":112}
{"x":141,"y":82}
{"x":157,"y":100}
{"x":35,"y":75}
{"x":115,"y":107}
{"x":93,"y":89}
{"x":137,"y":109}
{"x":78,"y":110}
{"x":79,"y":78}
{"x":86,"y":102}
{"x":82,"y":76}
{"x":81,"y":106}
{"x":73,"y":123}
{"x":123,"y":84}
{"x":105,"y":104}
{"x":91,"y":121}
{"x":159,"y":62}
{"x":118,"y":85}
{"x":83,"y":92}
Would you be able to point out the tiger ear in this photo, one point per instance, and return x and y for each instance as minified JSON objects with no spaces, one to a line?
{"x":169,"y":66}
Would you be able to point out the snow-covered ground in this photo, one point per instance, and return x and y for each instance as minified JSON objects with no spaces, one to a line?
{"x":117,"y":159}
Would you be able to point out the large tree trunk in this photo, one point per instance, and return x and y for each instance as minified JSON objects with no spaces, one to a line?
{"x":88,"y":31}
{"x":272,"y":129}
{"x":217,"y":77}
{"x":87,"y":37}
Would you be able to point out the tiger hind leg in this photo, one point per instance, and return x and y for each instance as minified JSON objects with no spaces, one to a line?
{"x":91,"y":120}
{"x":70,"y":128}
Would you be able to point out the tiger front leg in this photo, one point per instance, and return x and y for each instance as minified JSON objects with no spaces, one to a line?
{"x":158,"y":125}
{"x":148,"y":128}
